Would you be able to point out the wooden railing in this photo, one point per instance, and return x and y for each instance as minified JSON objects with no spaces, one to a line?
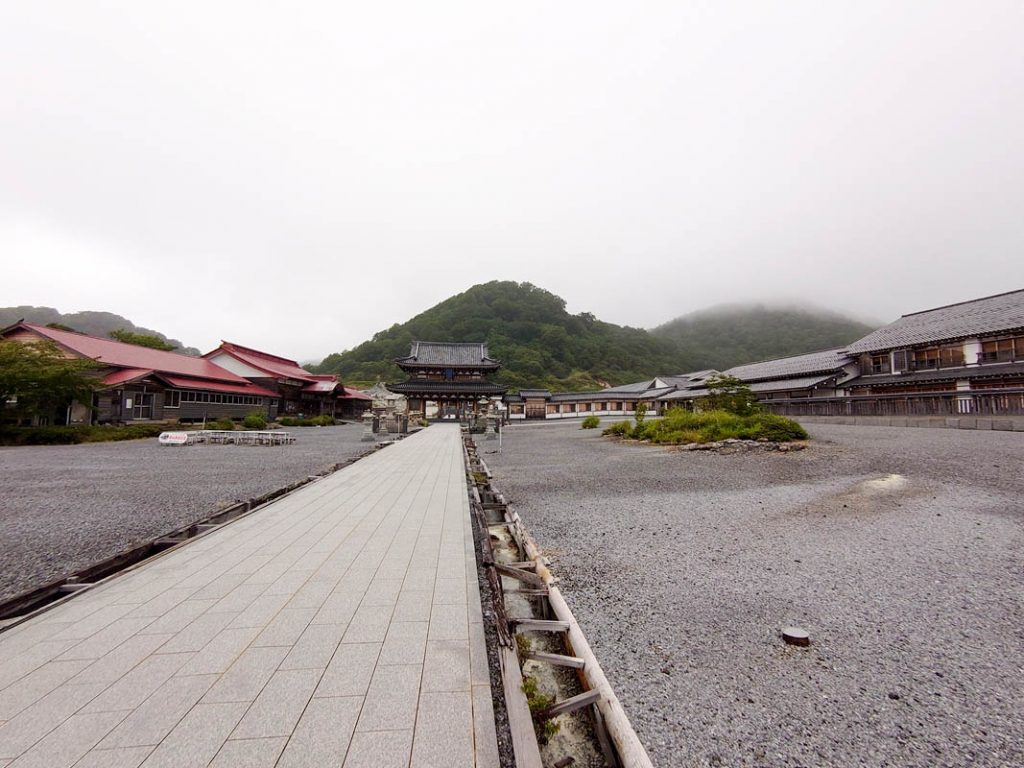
{"x":996,"y":402}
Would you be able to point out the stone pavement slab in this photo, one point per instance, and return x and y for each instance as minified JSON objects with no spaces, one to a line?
{"x":339,"y":626}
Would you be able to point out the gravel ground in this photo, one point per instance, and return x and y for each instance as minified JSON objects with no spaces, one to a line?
{"x":63,"y":508}
{"x":682,"y":568}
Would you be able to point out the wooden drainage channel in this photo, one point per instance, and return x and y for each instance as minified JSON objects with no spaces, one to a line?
{"x":618,"y":741}
{"x":24,"y":606}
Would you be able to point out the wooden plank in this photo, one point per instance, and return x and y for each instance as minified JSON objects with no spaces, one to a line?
{"x":558,"y":659}
{"x":519,"y":574}
{"x":520,"y":721}
{"x":528,"y":565}
{"x":540,"y":625}
{"x":584,"y":699}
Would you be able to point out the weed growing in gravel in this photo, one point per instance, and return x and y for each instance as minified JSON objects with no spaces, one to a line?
{"x":524,"y":646}
{"x":591,"y":422}
{"x":680,"y":426}
{"x":538,"y":702}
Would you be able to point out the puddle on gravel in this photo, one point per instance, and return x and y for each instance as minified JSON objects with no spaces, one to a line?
{"x":872,"y":496}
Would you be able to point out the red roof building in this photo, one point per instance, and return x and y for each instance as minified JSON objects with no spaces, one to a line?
{"x":298,"y":390}
{"x":142,"y":384}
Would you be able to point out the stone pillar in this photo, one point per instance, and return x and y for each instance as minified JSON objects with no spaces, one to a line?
{"x":368,"y":436}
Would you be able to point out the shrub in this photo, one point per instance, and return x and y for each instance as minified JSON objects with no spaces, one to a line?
{"x":221,"y":424}
{"x":644,"y":430}
{"x":619,"y":429}
{"x":680,"y":426}
{"x":254,"y":420}
{"x":591,"y":422}
{"x":76,"y":434}
{"x":779,"y":429}
{"x":316,"y":421}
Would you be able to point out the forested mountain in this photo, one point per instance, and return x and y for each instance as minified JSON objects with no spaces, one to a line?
{"x":538,"y":342}
{"x":729,"y":335}
{"x":542,"y":345}
{"x":92,"y":323}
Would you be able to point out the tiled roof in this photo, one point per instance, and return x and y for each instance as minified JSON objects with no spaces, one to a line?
{"x":278,"y":367}
{"x":783,"y":385}
{"x":829,"y":361}
{"x":448,"y":354}
{"x":630,"y":389}
{"x":993,"y":314}
{"x":685,"y":380}
{"x":441,"y":387}
{"x":120,"y":355}
{"x":535,"y":393}
{"x":600,"y":396}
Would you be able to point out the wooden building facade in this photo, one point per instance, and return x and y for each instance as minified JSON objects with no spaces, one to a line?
{"x":297,"y":390}
{"x":452,"y":375}
{"x":138,"y":384}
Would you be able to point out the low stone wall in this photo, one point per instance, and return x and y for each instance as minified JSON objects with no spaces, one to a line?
{"x":1004,"y":423}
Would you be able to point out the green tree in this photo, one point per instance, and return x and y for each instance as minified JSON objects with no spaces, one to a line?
{"x":37,"y":379}
{"x":729,"y":394}
{"x":142,"y":340}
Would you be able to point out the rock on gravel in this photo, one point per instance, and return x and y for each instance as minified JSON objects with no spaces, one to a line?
{"x":63,"y":508}
{"x":898,"y":550}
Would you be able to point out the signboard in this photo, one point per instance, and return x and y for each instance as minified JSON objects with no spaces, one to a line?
{"x":173,"y":438}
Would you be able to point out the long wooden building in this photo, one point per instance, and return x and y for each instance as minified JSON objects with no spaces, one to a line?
{"x":964,"y":359}
{"x":141,"y":384}
{"x":298,"y":391}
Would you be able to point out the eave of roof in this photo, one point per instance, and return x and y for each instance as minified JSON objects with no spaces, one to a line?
{"x":441,"y":387}
{"x":988,"y":371}
{"x":278,"y":367}
{"x":125,"y":376}
{"x":826,"y":361}
{"x":1002,"y":313}
{"x":120,"y":355}
{"x":185,"y":382}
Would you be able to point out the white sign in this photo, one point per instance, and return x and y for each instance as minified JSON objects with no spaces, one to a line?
{"x":173,"y":438}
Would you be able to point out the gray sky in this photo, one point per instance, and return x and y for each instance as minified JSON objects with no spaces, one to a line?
{"x":297,"y":176}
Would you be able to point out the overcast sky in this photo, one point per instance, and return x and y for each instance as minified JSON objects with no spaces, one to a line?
{"x":298,"y":176}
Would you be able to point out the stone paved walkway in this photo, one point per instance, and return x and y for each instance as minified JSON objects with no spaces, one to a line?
{"x":339,"y":626}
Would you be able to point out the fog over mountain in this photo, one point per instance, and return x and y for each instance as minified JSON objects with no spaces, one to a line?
{"x":295,"y":177}
{"x":89,"y":322}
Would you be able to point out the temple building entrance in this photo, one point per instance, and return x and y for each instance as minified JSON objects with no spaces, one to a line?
{"x":451,"y":375}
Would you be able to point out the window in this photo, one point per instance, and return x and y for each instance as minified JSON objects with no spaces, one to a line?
{"x":1002,"y":350}
{"x":172,"y":398}
{"x":948,"y":356}
{"x":879,"y":364}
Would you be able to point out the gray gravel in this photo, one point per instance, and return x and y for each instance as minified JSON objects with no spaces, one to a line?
{"x":63,"y":508}
{"x":683,"y":567}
